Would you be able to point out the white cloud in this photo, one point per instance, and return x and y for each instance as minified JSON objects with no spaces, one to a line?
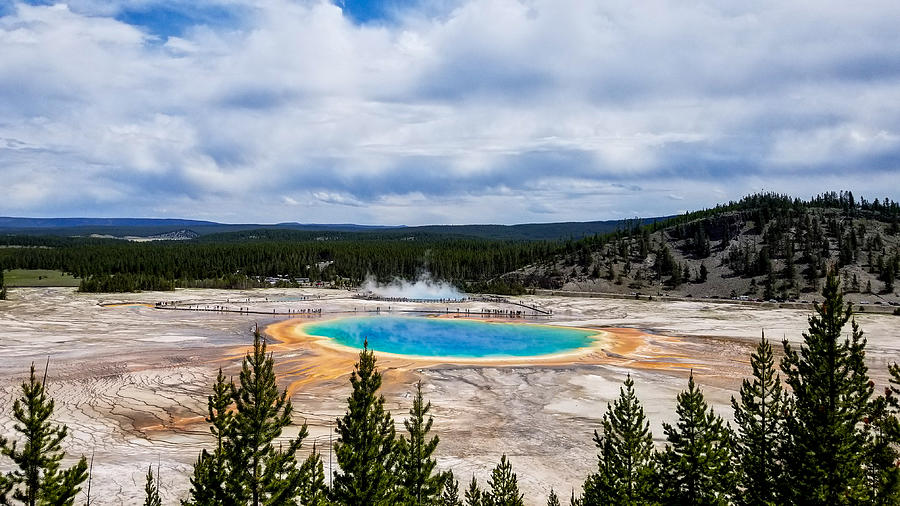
{"x":489,"y":111}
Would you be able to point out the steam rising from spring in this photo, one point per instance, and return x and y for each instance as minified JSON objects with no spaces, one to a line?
{"x":424,"y":288}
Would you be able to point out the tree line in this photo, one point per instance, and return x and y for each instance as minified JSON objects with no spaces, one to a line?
{"x":810,"y":430}
{"x":802,"y":235}
{"x":117,"y":266}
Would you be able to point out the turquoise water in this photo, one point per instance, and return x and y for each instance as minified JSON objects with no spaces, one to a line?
{"x":439,"y":337}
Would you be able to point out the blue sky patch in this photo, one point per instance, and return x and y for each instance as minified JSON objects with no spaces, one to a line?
{"x":166,"y":20}
{"x":373,"y":11}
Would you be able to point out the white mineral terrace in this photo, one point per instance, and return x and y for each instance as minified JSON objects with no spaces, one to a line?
{"x":131,"y":380}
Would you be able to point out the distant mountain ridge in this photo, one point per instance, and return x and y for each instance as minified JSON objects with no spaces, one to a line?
{"x":153,"y":227}
{"x":9,"y":222}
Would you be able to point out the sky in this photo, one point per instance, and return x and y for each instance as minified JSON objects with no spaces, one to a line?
{"x":441,"y":111}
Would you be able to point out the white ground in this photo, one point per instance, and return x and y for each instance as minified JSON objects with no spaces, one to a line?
{"x":131,"y":382}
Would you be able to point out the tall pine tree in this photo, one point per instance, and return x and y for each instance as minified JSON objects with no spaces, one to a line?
{"x":504,"y":486}
{"x":696,"y":468}
{"x":882,"y":461}
{"x":265,"y":474}
{"x":151,"y":489}
{"x":365,"y":445}
{"x":625,"y":459}
{"x":450,"y":494}
{"x":759,"y":417}
{"x":552,"y":499}
{"x":881,"y":458}
{"x":419,"y":484}
{"x":313,"y":491}
{"x":830,"y":396}
{"x":38,"y":477}
{"x":246,"y":467}
{"x":474,"y":495}
{"x":210,"y":483}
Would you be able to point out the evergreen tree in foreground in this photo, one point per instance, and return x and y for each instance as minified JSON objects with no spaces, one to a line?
{"x":504,"y":486}
{"x":210,"y":484}
{"x":151,"y":490}
{"x":552,"y":499}
{"x":268,"y":475}
{"x":882,"y":460}
{"x":37,"y":477}
{"x":625,"y":461}
{"x":313,"y":491}
{"x":831,"y":392}
{"x":246,"y":467}
{"x":759,"y":417}
{"x":415,"y":467}
{"x":474,"y":495}
{"x":365,"y":445}
{"x":696,"y":466}
{"x":450,"y":494}
{"x":2,"y":286}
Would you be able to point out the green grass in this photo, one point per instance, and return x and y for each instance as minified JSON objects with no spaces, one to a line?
{"x":38,"y":277}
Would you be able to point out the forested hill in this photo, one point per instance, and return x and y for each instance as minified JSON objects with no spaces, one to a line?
{"x":765,"y":246}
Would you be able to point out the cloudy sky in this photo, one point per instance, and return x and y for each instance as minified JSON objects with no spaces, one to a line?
{"x":441,"y":111}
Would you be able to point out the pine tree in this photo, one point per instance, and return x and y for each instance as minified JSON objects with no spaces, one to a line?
{"x":790,"y":269}
{"x":210,"y":484}
{"x":265,"y":474}
{"x":552,"y":499}
{"x":2,"y":286}
{"x":760,"y":427}
{"x":696,"y":466}
{"x":889,"y":276}
{"x":474,"y":495}
{"x":37,"y":477}
{"x":831,"y":393}
{"x":704,"y":273}
{"x":881,"y":455}
{"x":313,"y":491}
{"x":246,"y":467}
{"x":504,"y":486}
{"x":625,"y":463}
{"x":415,"y":470}
{"x":365,"y":445}
{"x":450,"y":494}
{"x":882,"y":460}
{"x":769,"y":286}
{"x":151,"y":490}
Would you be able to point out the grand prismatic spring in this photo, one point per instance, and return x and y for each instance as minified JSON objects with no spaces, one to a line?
{"x":440,"y":337}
